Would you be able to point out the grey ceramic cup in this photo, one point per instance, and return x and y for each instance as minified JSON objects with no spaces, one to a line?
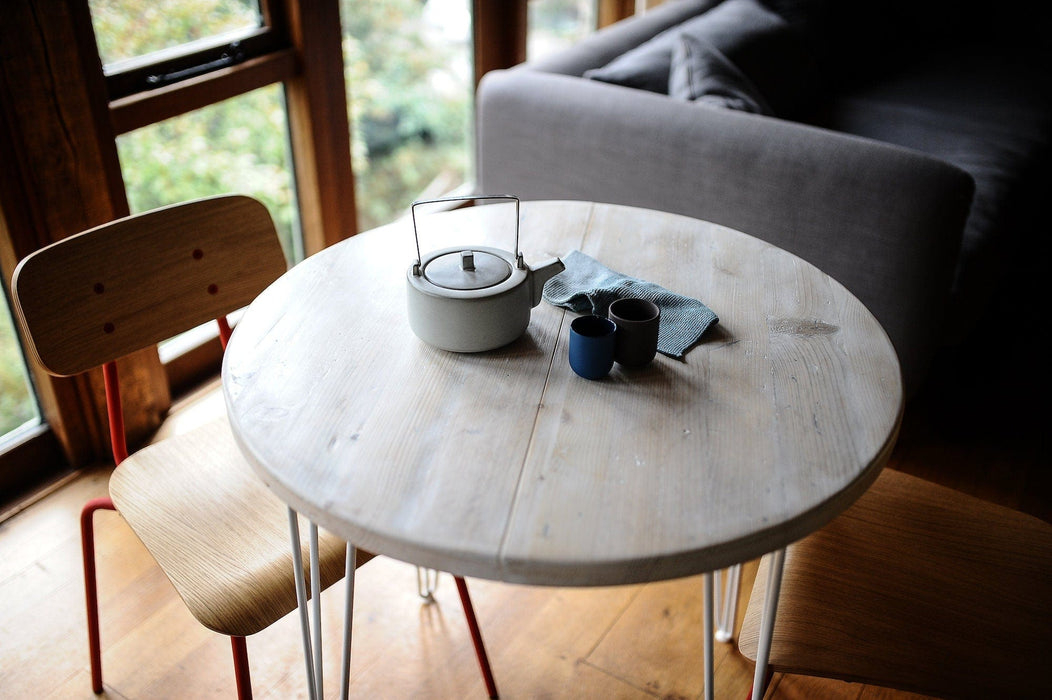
{"x":637,"y":323}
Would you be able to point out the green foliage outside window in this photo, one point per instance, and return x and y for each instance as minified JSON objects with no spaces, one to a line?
{"x":129,"y":28}
{"x":239,"y":145}
{"x":17,"y":404}
{"x":557,"y":24}
{"x":408,"y":69}
{"x":409,"y":87}
{"x":409,"y":101}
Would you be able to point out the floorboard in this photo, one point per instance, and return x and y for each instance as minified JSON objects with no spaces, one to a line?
{"x":631,"y":642}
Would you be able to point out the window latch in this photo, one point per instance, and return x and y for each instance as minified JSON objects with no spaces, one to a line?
{"x":231,"y":56}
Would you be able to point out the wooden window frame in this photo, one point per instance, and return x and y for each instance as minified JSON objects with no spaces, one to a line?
{"x":58,"y":128}
{"x":499,"y":29}
{"x":60,"y":114}
{"x":610,"y":11}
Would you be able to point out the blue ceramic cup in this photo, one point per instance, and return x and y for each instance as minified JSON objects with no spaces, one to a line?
{"x":592,"y":342}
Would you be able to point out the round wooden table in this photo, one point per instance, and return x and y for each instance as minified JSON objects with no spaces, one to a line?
{"x":506,"y":465}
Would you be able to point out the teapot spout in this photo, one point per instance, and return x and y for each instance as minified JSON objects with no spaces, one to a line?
{"x":541,"y":274}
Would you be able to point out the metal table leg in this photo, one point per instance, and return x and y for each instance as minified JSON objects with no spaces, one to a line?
{"x":707,"y":643}
{"x":726,"y":601}
{"x":351,"y":566}
{"x":315,"y":595}
{"x":770,"y":609}
{"x":301,"y":602}
{"x":312,"y":651}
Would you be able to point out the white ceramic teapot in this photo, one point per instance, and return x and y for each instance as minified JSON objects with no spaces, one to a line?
{"x":471,"y":299}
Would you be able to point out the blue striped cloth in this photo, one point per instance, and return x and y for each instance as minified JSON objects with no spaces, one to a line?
{"x":587,"y":286}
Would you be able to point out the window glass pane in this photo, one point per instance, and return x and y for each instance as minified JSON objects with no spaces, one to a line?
{"x":129,"y":28}
{"x":557,"y":24}
{"x":408,"y":66}
{"x":239,"y":146}
{"x":18,"y":406}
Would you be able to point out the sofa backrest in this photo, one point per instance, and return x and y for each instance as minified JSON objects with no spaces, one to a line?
{"x":884,"y":221}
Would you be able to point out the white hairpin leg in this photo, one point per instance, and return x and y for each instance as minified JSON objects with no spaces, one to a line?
{"x":726,"y":600}
{"x":770,"y":610}
{"x":707,"y":642}
{"x":345,"y":681}
{"x":301,"y":601}
{"x":315,"y":593}
{"x":426,"y":583}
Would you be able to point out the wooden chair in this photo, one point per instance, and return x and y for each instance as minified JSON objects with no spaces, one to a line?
{"x":216,"y":531}
{"x":920,"y":588}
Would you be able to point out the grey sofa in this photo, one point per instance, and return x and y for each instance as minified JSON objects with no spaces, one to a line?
{"x":870,"y":175}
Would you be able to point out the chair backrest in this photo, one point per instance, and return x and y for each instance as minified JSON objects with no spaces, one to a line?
{"x":120,"y":287}
{"x":917,"y":587}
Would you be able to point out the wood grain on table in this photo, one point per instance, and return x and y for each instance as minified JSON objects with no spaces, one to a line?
{"x":506,"y":465}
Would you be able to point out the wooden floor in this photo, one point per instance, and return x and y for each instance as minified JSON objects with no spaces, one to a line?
{"x":623,"y":642}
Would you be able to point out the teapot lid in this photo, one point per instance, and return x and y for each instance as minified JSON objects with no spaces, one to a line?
{"x":467,"y":269}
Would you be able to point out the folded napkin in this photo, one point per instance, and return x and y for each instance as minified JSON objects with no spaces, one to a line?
{"x":587,"y":286}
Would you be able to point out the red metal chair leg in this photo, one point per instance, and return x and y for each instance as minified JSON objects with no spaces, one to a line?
{"x":476,"y":636}
{"x":91,"y":593}
{"x":241,"y":673}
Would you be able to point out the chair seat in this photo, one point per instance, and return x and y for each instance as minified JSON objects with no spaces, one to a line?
{"x":217,"y":532}
{"x":916,"y":587}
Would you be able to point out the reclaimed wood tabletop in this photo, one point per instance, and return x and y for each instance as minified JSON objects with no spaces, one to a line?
{"x":506,"y":465}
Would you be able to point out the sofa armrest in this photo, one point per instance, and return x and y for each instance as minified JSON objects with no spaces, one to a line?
{"x":884,"y":221}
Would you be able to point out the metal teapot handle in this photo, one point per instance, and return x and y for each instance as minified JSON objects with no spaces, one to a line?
{"x":466,"y":198}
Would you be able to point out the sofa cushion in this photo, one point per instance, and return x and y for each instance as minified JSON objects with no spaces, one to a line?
{"x":701,"y":73}
{"x":646,"y":67}
{"x":756,"y":41}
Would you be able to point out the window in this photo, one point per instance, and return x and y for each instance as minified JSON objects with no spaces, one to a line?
{"x":558,"y":24}
{"x":409,"y":72}
{"x":238,"y":145}
{"x":136,"y":106}
{"x":18,"y":405}
{"x":132,"y":101}
{"x":126,"y":30}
